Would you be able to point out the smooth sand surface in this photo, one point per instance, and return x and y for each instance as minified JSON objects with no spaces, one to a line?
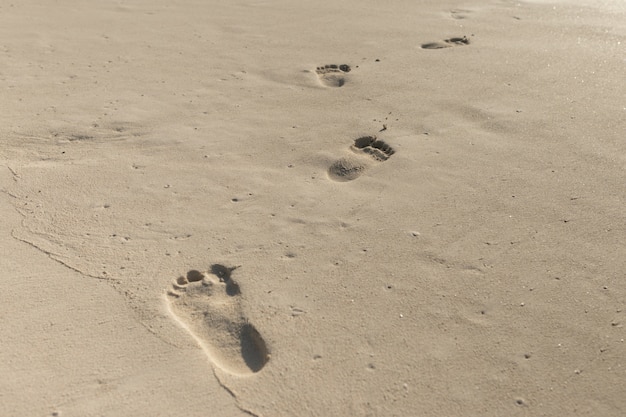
{"x":280,"y":208}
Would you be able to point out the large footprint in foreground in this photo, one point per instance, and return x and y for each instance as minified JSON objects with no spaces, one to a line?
{"x":208,"y":305}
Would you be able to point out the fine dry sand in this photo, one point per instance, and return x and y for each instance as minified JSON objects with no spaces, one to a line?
{"x":312,"y":208}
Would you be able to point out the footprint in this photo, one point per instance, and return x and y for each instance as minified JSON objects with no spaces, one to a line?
{"x":333,"y":75}
{"x":378,"y":149}
{"x":447,"y":43}
{"x":208,"y":305}
{"x":366,"y":149}
{"x":459,"y":14}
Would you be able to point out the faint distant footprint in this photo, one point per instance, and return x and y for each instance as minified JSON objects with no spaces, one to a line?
{"x":333,"y":75}
{"x":366,"y":149}
{"x":447,"y":43}
{"x":208,"y":305}
{"x":460,"y":14}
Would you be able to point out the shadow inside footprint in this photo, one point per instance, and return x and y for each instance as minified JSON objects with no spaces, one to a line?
{"x":223,"y":273}
{"x":193,"y":276}
{"x":209,"y":306}
{"x":333,"y":75}
{"x":253,"y":348}
{"x":447,"y":43}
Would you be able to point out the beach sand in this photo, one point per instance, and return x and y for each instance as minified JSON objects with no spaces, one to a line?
{"x":279,"y":208}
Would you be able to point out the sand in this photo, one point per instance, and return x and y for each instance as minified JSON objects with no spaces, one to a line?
{"x":278,"y":208}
